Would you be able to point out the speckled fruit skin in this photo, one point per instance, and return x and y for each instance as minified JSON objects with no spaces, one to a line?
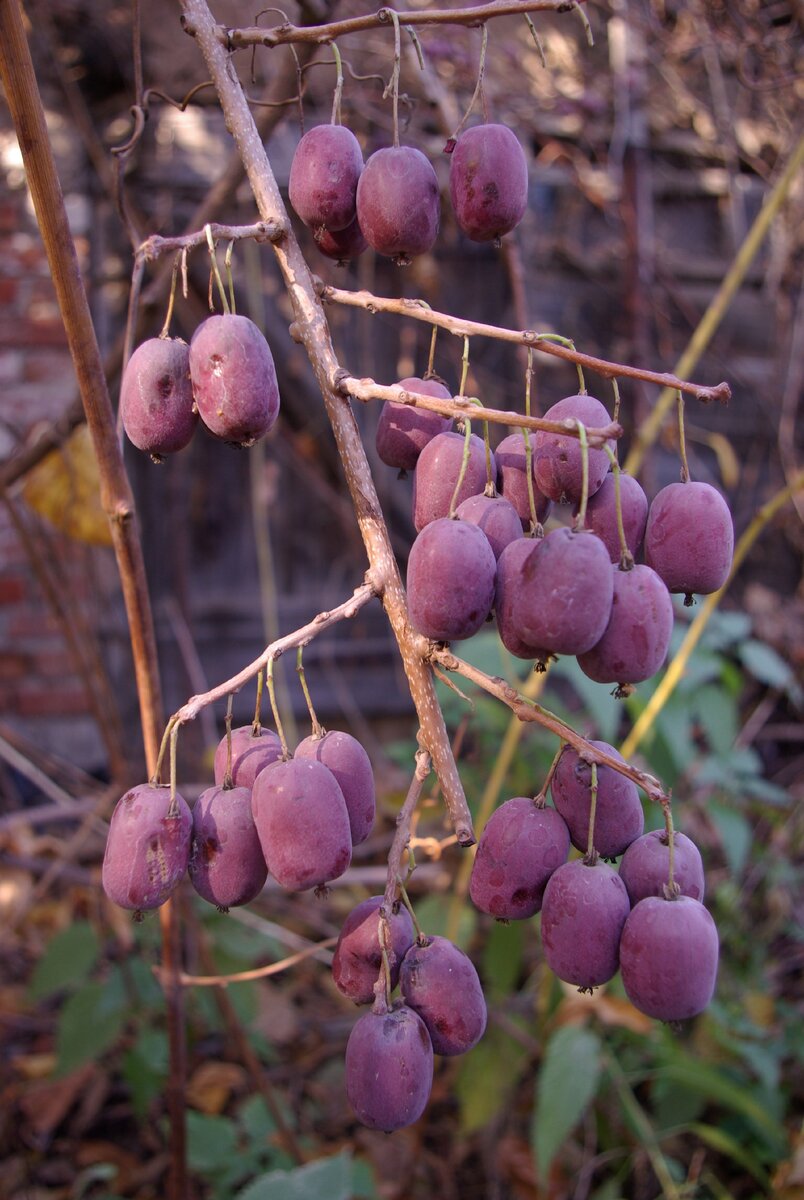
{"x":226,"y":866}
{"x":563,"y":602}
{"x":440,"y":983}
{"x":689,"y":539}
{"x":509,"y":570}
{"x":519,"y":849}
{"x":495,"y":516}
{"x":450,"y":580}
{"x":357,"y":958}
{"x":636,"y":639}
{"x":437,"y":472}
{"x":668,"y":957}
{"x":601,"y":514}
{"x":234,"y":379}
{"x":619,"y":819}
{"x":156,"y":397}
{"x":302,"y":823}
{"x":342,"y":244}
{"x":558,"y":466}
{"x":147,"y":849}
{"x":250,"y":755}
{"x":323,"y":177}
{"x":512,"y":479}
{"x":398,"y":204}
{"x":583,"y":913}
{"x":351,"y":766}
{"x":404,"y":431}
{"x":645,"y":866}
{"x":389,"y":1068}
{"x":488,"y":182}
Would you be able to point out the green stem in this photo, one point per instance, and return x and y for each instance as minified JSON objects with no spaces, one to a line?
{"x":536,"y":529}
{"x":156,"y":778}
{"x":672,"y":887}
{"x":275,"y":710}
{"x":590,"y":858}
{"x":173,"y":807}
{"x":682,"y":444}
{"x":403,"y":892}
{"x":165,"y":330}
{"x":540,"y":799}
{"x":256,"y":724}
{"x":467,"y":446}
{"x":428,"y":374}
{"x":318,"y":731}
{"x":582,"y":438}
{"x":213,"y":261}
{"x":335,"y":119}
{"x":394,"y":81}
{"x":616,"y":415}
{"x":478,"y":86}
{"x":537,"y":40}
{"x":227,"y":262}
{"x":626,"y":557}
{"x":228,"y":782}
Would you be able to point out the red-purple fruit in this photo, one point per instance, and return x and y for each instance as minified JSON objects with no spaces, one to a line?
{"x":226,"y":865}
{"x":488,"y":182}
{"x":403,"y":431}
{"x":583,"y":913}
{"x":619,"y":819}
{"x":512,"y":478}
{"x":351,"y":766}
{"x":563,"y":602}
{"x":668,"y":957}
{"x":342,"y":244}
{"x":323,"y":177}
{"x":148,"y":847}
{"x":519,"y":848}
{"x":601,"y":514}
{"x":451,"y":572}
{"x":302,"y":823}
{"x":645,"y":866}
{"x":495,"y":516}
{"x":156,"y":397}
{"x":635,"y":642}
{"x":437,"y":473}
{"x":357,"y":959}
{"x":689,"y":539}
{"x":440,"y":983}
{"x":398,"y":205}
{"x":234,"y":379}
{"x":250,"y":753}
{"x":389,"y":1068}
{"x":506,"y":590}
{"x":559,"y":460}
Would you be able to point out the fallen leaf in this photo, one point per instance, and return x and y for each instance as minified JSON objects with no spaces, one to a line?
{"x":212,"y":1084}
{"x":45,"y":1105}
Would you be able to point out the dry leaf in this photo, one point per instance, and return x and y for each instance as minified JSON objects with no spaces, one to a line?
{"x":64,"y":488}
{"x":212,"y":1084}
{"x":45,"y":1105}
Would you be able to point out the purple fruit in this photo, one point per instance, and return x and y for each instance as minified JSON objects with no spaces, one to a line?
{"x":226,"y":866}
{"x":302,"y":823}
{"x":645,"y":866}
{"x":509,"y":572}
{"x":689,"y":539}
{"x":583,"y":913}
{"x":234,"y":379}
{"x":668,"y":957}
{"x":601,"y":514}
{"x":619,"y":819}
{"x":250,"y":753}
{"x":559,"y":460}
{"x":389,"y":1068}
{"x":351,"y":766}
{"x":323,"y":177}
{"x":635,"y":642}
{"x":451,"y":572}
{"x":519,"y":849}
{"x":342,"y":244}
{"x":440,"y":983}
{"x":488,"y":182}
{"x":512,"y":478}
{"x":398,"y":204}
{"x":357,"y":959}
{"x":403,"y":431}
{"x":156,"y":397}
{"x":147,"y":849}
{"x":563,"y":602}
{"x":495,"y":516}
{"x":437,"y":473}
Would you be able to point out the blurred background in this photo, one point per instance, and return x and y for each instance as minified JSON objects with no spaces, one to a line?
{"x":650,"y":156}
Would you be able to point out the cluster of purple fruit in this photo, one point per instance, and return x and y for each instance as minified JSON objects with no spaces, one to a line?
{"x":297,"y":818}
{"x":226,"y":376}
{"x":594,"y":918}
{"x":392,"y":202}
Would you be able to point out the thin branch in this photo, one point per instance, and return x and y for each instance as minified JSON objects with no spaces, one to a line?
{"x":274,"y":968}
{"x":262,"y":231}
{"x":402,"y":834}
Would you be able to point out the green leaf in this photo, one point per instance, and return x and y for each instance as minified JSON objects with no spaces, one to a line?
{"x":762,"y":661}
{"x":145,"y":1068}
{"x":736,"y":835}
{"x":567,"y":1083}
{"x":725,"y":1144}
{"x":717,"y":712}
{"x":255,"y":1120}
{"x":211,"y":1143}
{"x":90,"y":1022}
{"x":329,"y":1178}
{"x":486,"y":1077}
{"x":433,"y":914}
{"x":605,"y":711}
{"x":68,"y":960}
{"x":724,"y":1089}
{"x":502,"y":958}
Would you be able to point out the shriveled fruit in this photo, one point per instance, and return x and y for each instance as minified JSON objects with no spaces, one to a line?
{"x":559,"y":460}
{"x":226,"y":866}
{"x":234,"y":379}
{"x":403,"y":431}
{"x":519,"y":849}
{"x":619,"y":819}
{"x":440,"y":983}
{"x":601,"y":514}
{"x":156,"y":397}
{"x":563,"y":602}
{"x":351,"y":766}
{"x":148,"y":847}
{"x":668,"y":957}
{"x":357,"y":959}
{"x":438,"y":471}
{"x":689,"y":539}
{"x":389,"y":1068}
{"x":398,"y":205}
{"x":495,"y":516}
{"x":488,"y":182}
{"x":342,"y":244}
{"x":636,"y":639}
{"x":506,"y":590}
{"x":583,"y":913}
{"x":302,"y":823}
{"x":451,"y":571}
{"x":645,"y":866}
{"x":250,"y":754}
{"x":323,"y":177}
{"x":512,"y":479}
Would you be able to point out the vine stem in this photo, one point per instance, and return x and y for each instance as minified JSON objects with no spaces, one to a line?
{"x":626,"y":557}
{"x":590,"y":858}
{"x":467,"y":447}
{"x":274,"y":968}
{"x":335,"y":119}
{"x":402,"y":832}
{"x":318,"y":731}
{"x":580,"y":520}
{"x":478,"y":86}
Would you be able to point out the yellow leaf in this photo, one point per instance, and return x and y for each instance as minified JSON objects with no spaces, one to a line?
{"x":64,"y":488}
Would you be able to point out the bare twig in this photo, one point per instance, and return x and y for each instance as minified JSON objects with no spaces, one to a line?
{"x":274,"y":968}
{"x":261,"y":231}
{"x":402,"y":834}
